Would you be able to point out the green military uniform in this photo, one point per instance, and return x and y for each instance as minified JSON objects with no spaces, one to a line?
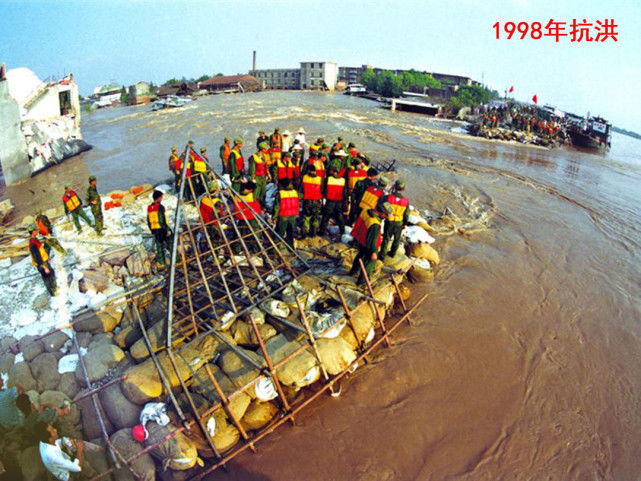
{"x":49,"y":239}
{"x":312,"y":208}
{"x":393,"y":225}
{"x":357,"y":195}
{"x":160,"y":230}
{"x":236,"y":174}
{"x":95,"y":204}
{"x":224,"y":153}
{"x":40,"y":258}
{"x":286,"y":225}
{"x":334,"y":207}
{"x":368,"y":250}
{"x":259,"y":180}
{"x":77,"y":212}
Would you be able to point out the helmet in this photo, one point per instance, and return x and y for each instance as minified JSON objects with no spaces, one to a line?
{"x":92,"y":178}
{"x":227,"y":139}
{"x":399,"y":185}
{"x":238,"y":140}
{"x":383,"y":182}
{"x":263,"y":146}
{"x":31,"y":228}
{"x":139,"y":433}
{"x":203,"y":149}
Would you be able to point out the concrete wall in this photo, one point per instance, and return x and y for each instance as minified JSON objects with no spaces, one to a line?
{"x":13,"y":149}
{"x":330,"y":74}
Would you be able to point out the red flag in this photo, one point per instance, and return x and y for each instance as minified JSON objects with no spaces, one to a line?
{"x":511,"y":89}
{"x":535,"y":99}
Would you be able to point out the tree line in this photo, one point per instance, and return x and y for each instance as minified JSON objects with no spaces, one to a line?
{"x":185,"y":80}
{"x":388,"y":84}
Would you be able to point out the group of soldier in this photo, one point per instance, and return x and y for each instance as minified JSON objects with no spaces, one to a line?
{"x":42,"y":241}
{"x":525,"y":119}
{"x":332,"y":183}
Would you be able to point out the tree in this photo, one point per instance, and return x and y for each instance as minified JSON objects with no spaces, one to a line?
{"x":171,"y":81}
{"x":219,"y":75}
{"x":202,"y":78}
{"x":368,"y":78}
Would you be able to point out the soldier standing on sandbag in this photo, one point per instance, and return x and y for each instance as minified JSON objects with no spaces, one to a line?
{"x":46,"y":231}
{"x":335,"y":195}
{"x":95,"y":204}
{"x":286,"y":209}
{"x":236,"y":165}
{"x":40,"y":259}
{"x":367,"y":232}
{"x":359,"y":190}
{"x":397,"y":219}
{"x":312,"y":202}
{"x":73,"y":206}
{"x":157,"y":222}
{"x":258,"y":172}
{"x":224,"y":153}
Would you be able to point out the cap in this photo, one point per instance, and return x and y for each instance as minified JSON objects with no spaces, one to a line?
{"x":32,"y":227}
{"x":325,"y":146}
{"x":261,"y":132}
{"x":238,"y":140}
{"x":286,"y":154}
{"x":227,"y":139}
{"x":351,"y":144}
{"x":341,"y":153}
{"x":340,"y":139}
{"x":301,"y":130}
{"x":174,"y":148}
{"x":371,"y":172}
{"x":263,"y":146}
{"x":139,"y":433}
{"x":399,"y":185}
{"x":320,"y":140}
{"x":287,"y":132}
{"x":276,"y":129}
{"x":203,"y":149}
{"x":67,"y":187}
{"x":190,"y":142}
{"x":297,"y":153}
{"x":92,"y":178}
{"x":383,"y":182}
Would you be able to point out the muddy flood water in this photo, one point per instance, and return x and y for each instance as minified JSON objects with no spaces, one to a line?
{"x":525,"y":361}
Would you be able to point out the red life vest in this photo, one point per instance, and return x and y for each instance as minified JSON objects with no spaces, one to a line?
{"x":370,"y":197}
{"x":354,"y":176}
{"x":153,"y":217}
{"x":242,"y":211}
{"x":238,"y":159}
{"x":289,"y":204}
{"x":335,"y":188}
{"x":174,"y":162}
{"x":207,"y":205}
{"x":71,"y":201}
{"x":261,"y":167}
{"x":312,"y":188}
{"x":43,"y":253}
{"x":42,"y":228}
{"x":285,"y":170}
{"x":399,"y":205}
{"x":180,"y":164}
{"x":353,"y":152}
{"x":362,"y":225}
{"x":319,"y":165}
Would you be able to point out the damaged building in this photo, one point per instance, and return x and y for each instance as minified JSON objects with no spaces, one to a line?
{"x":40,"y":123}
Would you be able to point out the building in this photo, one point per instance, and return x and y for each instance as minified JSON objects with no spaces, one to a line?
{"x":449,"y":79}
{"x":140,"y":93}
{"x":318,"y":75}
{"x":39,"y":123}
{"x":106,"y":95}
{"x":179,"y":89}
{"x":232,"y":83}
{"x":278,"y":78}
{"x":350,"y":75}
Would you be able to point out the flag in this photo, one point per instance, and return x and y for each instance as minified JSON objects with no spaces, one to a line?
{"x":511,"y":89}
{"x":535,"y":99}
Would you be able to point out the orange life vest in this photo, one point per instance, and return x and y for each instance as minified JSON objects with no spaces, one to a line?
{"x":42,"y":228}
{"x":354,"y":176}
{"x":399,"y":205}
{"x":153,"y":216}
{"x":43,"y":253}
{"x":289,"y":203}
{"x":312,"y":188}
{"x":242,"y":211}
{"x":362,"y":225}
{"x":71,"y":202}
{"x":370,"y":197}
{"x":335,"y":188}
{"x":319,"y":165}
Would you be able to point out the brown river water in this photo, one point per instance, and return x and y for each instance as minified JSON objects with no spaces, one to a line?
{"x":524,"y":363}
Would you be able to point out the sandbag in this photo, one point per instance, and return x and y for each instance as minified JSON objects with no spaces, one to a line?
{"x":226,"y":435}
{"x":423,"y":250}
{"x":178,"y":452}
{"x":259,"y":414}
{"x":256,"y":314}
{"x":239,"y":370}
{"x":157,"y":338}
{"x":142,"y":382}
{"x":275,"y":308}
{"x":386,"y":294}
{"x":335,"y":354}
{"x":348,"y":335}
{"x":121,"y":411}
{"x":300,"y":371}
{"x":420,"y":272}
{"x":405,"y":291}
{"x":90,"y":424}
{"x":243,"y":333}
{"x":363,"y":320}
{"x":143,"y":465}
{"x":202,"y":385}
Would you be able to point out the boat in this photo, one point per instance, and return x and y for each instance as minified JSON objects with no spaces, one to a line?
{"x":593,"y":133}
{"x":171,"y":101}
{"x":355,"y":89}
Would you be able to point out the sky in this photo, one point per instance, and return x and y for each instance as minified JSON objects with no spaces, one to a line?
{"x":128,"y":41}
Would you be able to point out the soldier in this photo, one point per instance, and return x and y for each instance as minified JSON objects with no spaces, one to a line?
{"x":174,"y":164}
{"x":95,"y":204}
{"x":367,"y":232}
{"x":261,"y":138}
{"x":312,"y":202}
{"x":316,"y":161}
{"x":73,"y":207}
{"x":40,"y":259}
{"x":46,"y":231}
{"x":276,"y":144}
{"x":245,"y":209}
{"x":224,"y":152}
{"x":157,"y":223}
{"x":316,"y":146}
{"x":283,"y":168}
{"x":258,"y":172}
{"x":335,"y":195}
{"x":372,"y":194}
{"x":237,"y":165}
{"x":359,"y":189}
{"x":397,"y":219}
{"x":286,"y":210}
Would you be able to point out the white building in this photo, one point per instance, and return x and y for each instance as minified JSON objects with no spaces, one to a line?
{"x":318,"y":75}
{"x":278,"y":78}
